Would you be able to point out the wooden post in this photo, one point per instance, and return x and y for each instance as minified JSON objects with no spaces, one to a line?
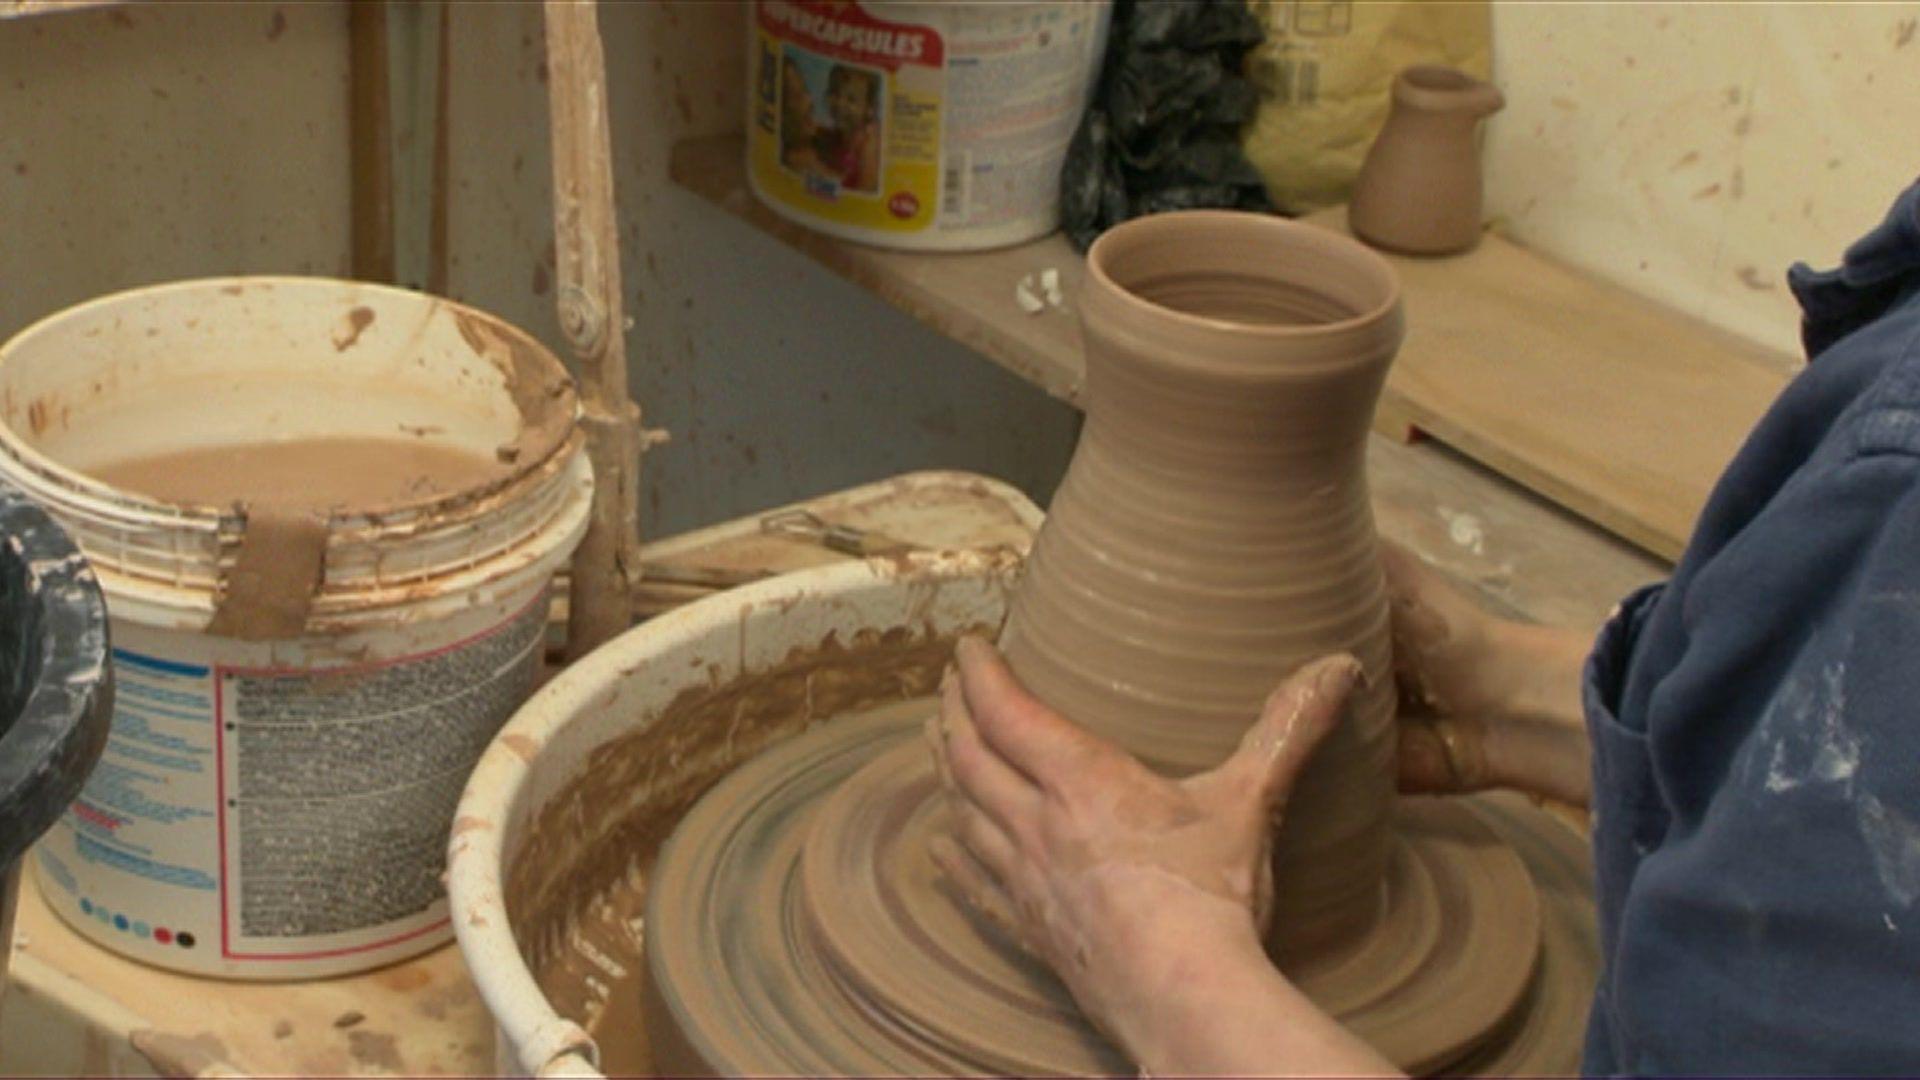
{"x":440,"y":177}
{"x":370,"y":113}
{"x":587,"y":248}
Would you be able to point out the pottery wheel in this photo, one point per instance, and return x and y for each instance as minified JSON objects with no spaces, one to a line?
{"x":797,"y":925}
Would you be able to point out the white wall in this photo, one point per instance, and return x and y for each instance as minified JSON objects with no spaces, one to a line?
{"x":141,"y":144}
{"x":1693,"y":151}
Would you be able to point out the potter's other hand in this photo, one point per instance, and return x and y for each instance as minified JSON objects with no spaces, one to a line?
{"x":1448,"y":672}
{"x":1484,"y":701}
{"x":1124,"y":880}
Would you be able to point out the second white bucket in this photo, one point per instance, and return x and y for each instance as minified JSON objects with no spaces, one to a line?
{"x":921,"y":125}
{"x":299,"y":707}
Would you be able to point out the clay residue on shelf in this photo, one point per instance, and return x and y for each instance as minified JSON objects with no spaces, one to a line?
{"x":173,"y":1055}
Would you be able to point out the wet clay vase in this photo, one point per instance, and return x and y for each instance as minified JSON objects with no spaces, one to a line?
{"x":1214,"y":531}
{"x":1419,"y":190}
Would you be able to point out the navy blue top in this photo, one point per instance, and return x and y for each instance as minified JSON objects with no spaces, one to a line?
{"x":1756,"y":726}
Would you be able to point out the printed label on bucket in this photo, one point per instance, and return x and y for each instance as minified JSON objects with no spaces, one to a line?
{"x":847,"y":111}
{"x":957,"y":121}
{"x":269,"y":813}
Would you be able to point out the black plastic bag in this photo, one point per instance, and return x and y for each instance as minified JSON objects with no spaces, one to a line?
{"x":1163,"y":129}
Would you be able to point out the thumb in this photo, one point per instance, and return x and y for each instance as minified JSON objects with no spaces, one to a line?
{"x":1297,"y":716}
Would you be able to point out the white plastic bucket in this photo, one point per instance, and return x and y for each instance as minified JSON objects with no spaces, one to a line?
{"x":968,"y":111}
{"x":274,"y":799}
{"x":583,"y":784}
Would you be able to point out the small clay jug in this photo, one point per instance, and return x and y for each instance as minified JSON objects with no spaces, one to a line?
{"x":1419,"y":190}
{"x":1213,"y":531}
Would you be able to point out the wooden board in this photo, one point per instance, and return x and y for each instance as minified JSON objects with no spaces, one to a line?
{"x":967,"y":297}
{"x":1601,"y":400}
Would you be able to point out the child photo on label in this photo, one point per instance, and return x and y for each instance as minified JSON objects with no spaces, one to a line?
{"x":830,"y":122}
{"x":797,"y":126}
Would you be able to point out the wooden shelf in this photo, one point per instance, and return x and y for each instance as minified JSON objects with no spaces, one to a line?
{"x":1602,"y":401}
{"x":1614,"y":407}
{"x":967,"y":297}
{"x":20,"y":9}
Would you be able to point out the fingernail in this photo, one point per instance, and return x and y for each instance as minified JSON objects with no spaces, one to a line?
{"x":1337,"y":673}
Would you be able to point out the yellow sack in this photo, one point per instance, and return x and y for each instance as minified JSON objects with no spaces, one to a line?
{"x":1325,"y":76}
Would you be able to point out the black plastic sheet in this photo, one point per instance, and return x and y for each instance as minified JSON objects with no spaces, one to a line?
{"x":1163,"y":129}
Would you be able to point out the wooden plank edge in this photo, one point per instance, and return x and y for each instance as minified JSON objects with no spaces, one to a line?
{"x":1661,"y":539}
{"x":21,"y":9}
{"x":1395,"y":418}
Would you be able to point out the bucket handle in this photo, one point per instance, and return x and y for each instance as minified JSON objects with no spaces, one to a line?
{"x":563,"y":1048}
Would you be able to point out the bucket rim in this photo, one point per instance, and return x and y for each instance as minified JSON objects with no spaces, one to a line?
{"x":361,"y":604}
{"x":492,"y":804}
{"x":227,"y":519}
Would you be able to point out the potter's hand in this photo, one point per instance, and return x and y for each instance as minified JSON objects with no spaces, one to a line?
{"x":1129,"y":883}
{"x":1484,"y":701}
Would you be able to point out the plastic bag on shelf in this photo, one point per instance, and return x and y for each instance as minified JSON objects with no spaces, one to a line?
{"x":1163,"y":129}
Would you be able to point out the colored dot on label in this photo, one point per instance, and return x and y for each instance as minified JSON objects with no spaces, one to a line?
{"x":119,"y":922}
{"x":163,"y":935}
{"x":184,"y":938}
{"x":100,"y":913}
{"x":86,"y":906}
{"x":141,"y":929}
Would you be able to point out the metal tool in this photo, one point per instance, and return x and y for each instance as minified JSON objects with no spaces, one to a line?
{"x":809,"y":527}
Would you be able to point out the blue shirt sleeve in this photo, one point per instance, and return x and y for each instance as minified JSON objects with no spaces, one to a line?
{"x":1756,"y":727}
{"x":1770,"y":813}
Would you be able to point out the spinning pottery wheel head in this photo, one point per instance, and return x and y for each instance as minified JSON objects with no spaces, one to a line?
{"x":799,"y":927}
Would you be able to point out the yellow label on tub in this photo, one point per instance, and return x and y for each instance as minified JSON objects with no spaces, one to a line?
{"x":847,"y":114}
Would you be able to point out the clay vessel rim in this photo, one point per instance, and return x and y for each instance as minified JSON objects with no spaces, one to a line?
{"x":1442,"y":89}
{"x":1336,"y":245}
